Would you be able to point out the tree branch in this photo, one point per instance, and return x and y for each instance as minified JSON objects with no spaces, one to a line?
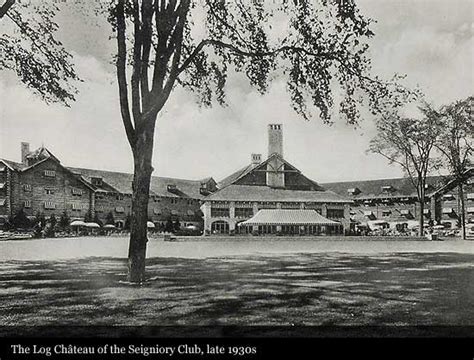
{"x":5,"y":7}
{"x":122,"y":74}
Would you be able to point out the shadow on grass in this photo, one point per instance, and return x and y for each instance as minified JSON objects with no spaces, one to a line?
{"x":332,"y":289}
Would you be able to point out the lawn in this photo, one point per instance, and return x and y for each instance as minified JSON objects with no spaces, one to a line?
{"x":291,"y":284}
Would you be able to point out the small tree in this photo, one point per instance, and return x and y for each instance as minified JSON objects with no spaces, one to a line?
{"x":64,"y":220}
{"x":97,"y":220}
{"x":176,"y":225}
{"x":408,"y":142}
{"x":456,"y":145}
{"x":40,"y":219}
{"x":169,"y":226}
{"x":88,"y":216}
{"x":109,"y":219}
{"x":20,"y":220}
{"x":52,"y":220}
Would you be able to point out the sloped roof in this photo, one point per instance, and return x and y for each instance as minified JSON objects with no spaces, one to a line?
{"x":373,"y":188}
{"x":265,"y":193}
{"x":236,"y":175}
{"x":288,"y":217}
{"x":13,"y":165}
{"x":122,"y":183}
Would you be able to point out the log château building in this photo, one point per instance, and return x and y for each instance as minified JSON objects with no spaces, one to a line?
{"x":268,"y":196}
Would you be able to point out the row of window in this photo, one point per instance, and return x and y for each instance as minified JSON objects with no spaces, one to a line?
{"x":248,"y":212}
{"x":49,"y":191}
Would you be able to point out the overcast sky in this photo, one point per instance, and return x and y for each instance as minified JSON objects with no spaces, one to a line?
{"x":429,"y":40}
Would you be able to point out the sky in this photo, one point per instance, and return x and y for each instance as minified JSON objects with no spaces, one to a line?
{"x":431,"y":41}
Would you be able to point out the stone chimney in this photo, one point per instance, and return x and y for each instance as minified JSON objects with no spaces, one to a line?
{"x":275,"y":167}
{"x":275,"y":139}
{"x":256,"y":159}
{"x":25,"y":150}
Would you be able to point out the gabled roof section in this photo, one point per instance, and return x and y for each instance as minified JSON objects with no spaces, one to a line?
{"x":232,"y":179}
{"x":41,"y":154}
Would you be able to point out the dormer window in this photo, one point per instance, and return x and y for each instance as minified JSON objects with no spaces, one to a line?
{"x":172,"y":188}
{"x":354,"y":191}
{"x":96,"y":181}
{"x":387,"y":188}
{"x":2,"y":168}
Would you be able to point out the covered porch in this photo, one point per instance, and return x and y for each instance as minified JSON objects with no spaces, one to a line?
{"x":290,"y":222}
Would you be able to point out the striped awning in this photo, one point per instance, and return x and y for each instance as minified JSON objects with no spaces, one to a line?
{"x":288,"y":217}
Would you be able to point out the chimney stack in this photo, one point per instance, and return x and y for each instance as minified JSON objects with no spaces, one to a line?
{"x":256,"y":159}
{"x":25,"y":150}
{"x":275,"y":139}
{"x":275,"y":167}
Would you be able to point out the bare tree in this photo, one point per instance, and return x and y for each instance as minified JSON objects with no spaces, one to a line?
{"x":28,"y":47}
{"x":456,"y":145}
{"x":322,"y":52}
{"x":409,"y":142}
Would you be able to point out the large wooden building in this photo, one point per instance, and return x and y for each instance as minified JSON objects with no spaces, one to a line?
{"x":40,"y":184}
{"x":259,"y":197}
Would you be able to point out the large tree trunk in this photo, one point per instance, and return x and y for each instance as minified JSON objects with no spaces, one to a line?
{"x":462,"y":214}
{"x":142,"y":155}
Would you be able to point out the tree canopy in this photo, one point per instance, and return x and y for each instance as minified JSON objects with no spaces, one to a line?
{"x":29,"y":48}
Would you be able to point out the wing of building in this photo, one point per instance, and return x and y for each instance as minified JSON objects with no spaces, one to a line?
{"x":239,"y":204}
{"x":394,"y":202}
{"x":40,"y":184}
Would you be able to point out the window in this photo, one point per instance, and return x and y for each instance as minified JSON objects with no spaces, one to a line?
{"x":119,"y":209}
{"x":190,"y":213}
{"x":2,"y":185}
{"x":174,"y":201}
{"x":76,"y":206}
{"x":448,"y":197}
{"x":50,"y":173}
{"x":386,"y":213}
{"x":27,"y":204}
{"x":470,"y":196}
{"x":76,"y":192}
{"x":49,"y":191}
{"x":2,"y":168}
{"x":3,"y":202}
{"x":97,"y":181}
{"x":99,"y":208}
{"x":157,"y":211}
{"x":174,"y":212}
{"x":49,"y":205}
{"x":119,"y":197}
{"x":335,"y":213}
{"x":190,"y":202}
{"x":27,"y":187}
{"x":405,"y":212}
{"x":243,"y":212}
{"x":219,"y":212}
{"x":156,"y":199}
{"x":99,"y":196}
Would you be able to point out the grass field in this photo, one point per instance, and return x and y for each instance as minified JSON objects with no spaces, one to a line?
{"x":59,"y":282}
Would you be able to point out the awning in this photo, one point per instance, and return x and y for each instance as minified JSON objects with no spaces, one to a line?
{"x":288,"y":217}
